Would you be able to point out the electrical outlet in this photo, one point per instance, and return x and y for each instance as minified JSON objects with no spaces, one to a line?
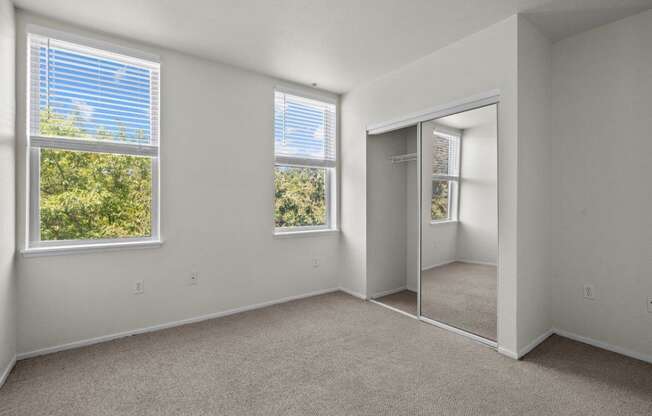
{"x":315,"y":263}
{"x":193,"y":279}
{"x":139,"y":287}
{"x":589,"y":292}
{"x":649,"y":304}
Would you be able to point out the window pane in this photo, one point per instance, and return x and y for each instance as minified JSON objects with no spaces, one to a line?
{"x":303,"y":128}
{"x":439,"y":206}
{"x":94,"y":195}
{"x":104,"y":96}
{"x":300,"y":196}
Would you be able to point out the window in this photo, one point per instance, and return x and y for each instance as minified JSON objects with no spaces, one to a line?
{"x":304,"y":163}
{"x":445,"y":176}
{"x":93,"y":144}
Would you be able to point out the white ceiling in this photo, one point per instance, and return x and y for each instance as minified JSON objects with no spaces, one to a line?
{"x":336,"y":44}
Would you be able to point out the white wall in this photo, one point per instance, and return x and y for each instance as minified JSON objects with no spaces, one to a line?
{"x":386,"y":213}
{"x":602,"y":154}
{"x":477,"y":230}
{"x":534,"y":192}
{"x":216,"y":218}
{"x":7,"y":188}
{"x":476,"y":64}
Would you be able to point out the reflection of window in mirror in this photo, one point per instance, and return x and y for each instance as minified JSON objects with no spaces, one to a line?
{"x":445,"y":176}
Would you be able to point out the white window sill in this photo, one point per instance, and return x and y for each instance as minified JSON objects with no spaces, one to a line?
{"x":306,"y":233}
{"x":88,"y":248}
{"x":443,"y":222}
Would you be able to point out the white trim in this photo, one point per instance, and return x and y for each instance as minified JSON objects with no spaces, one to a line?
{"x":525,"y":350}
{"x":304,"y":162}
{"x":448,"y":178}
{"x":393,"y":309}
{"x":153,"y":328}
{"x":508,"y":353}
{"x":134,"y":55}
{"x":444,"y":263}
{"x":603,"y":345}
{"x":88,"y":248}
{"x":93,"y":145}
{"x":352,"y":293}
{"x":474,"y":337}
{"x":7,"y":371}
{"x":388,"y":292}
{"x":481,"y":263}
{"x":438,"y":222}
{"x":454,"y":107}
{"x":306,"y":233}
{"x":579,"y":338}
{"x":419,"y":218}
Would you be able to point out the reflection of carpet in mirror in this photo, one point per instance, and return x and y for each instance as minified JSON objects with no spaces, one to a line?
{"x":405,"y":301}
{"x":462,"y":295}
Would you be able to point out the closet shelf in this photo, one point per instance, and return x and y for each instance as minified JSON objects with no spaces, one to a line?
{"x":408,"y":157}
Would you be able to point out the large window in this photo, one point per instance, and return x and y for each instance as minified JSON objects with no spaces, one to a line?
{"x":445,"y":176}
{"x":304,"y":163}
{"x":93,"y":144}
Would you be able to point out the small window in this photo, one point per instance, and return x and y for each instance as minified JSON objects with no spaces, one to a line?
{"x":304,"y":163}
{"x":93,"y":145}
{"x":445,"y":177}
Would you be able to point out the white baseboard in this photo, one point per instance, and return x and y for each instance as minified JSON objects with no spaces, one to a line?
{"x":481,"y":263}
{"x":575,"y":337}
{"x":7,"y":370}
{"x":604,"y":345}
{"x":438,"y":265}
{"x":110,"y":337}
{"x":352,"y":293}
{"x":388,"y":292}
{"x":507,"y":352}
{"x":523,"y":351}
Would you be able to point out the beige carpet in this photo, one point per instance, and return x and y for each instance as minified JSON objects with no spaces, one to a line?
{"x":328,"y":355}
{"x":463,"y":295}
{"x":405,"y":300}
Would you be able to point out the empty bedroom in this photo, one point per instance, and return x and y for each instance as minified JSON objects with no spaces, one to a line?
{"x":297,"y":207}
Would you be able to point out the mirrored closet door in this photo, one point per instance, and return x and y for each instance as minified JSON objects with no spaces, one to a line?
{"x":459,"y":222}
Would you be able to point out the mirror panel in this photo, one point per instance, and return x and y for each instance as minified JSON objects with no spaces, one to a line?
{"x":459,"y":221}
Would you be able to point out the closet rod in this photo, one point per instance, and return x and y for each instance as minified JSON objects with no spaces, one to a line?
{"x":403,"y":158}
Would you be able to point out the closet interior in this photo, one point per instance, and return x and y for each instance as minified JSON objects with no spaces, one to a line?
{"x":392,"y":219}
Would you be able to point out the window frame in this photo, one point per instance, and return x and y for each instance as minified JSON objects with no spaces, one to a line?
{"x":454,"y":184}
{"x":331,"y":187}
{"x":36,"y":142}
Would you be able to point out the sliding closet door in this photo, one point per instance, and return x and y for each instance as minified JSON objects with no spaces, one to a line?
{"x":459,"y":222}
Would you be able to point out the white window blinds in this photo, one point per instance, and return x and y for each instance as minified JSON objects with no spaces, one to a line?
{"x":304,"y":131}
{"x":445,"y":161}
{"x":86,"y":99}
